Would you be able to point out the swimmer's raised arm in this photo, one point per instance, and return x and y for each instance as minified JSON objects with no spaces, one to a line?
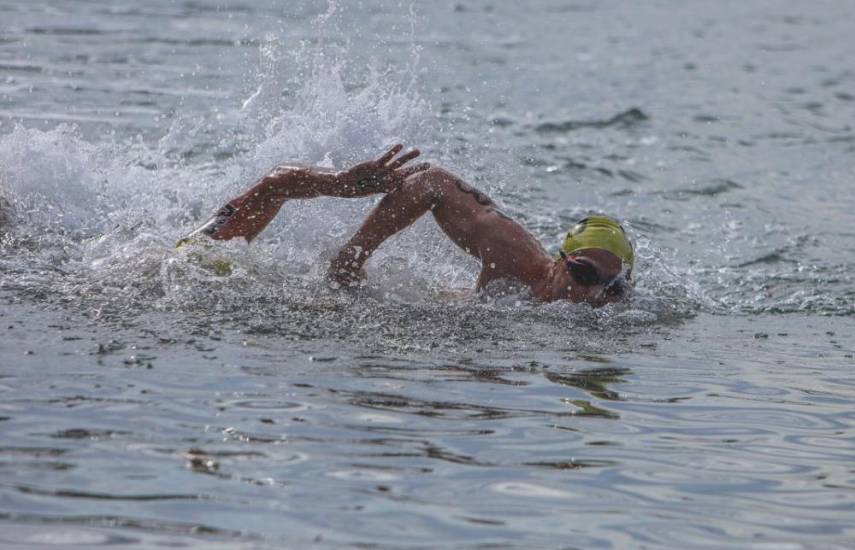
{"x":593,"y":266}
{"x":248,"y":214}
{"x":367,"y":178}
{"x":470,"y":219}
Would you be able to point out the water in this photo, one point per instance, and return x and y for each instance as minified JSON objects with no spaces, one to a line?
{"x":146,"y":402}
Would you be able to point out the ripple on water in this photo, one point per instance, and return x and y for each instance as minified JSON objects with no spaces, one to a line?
{"x":763,"y":419}
{"x":378,"y":418}
{"x":78,"y":537}
{"x":265,"y":405}
{"x":531,"y":490}
{"x":113,"y":529}
{"x":370,"y":473}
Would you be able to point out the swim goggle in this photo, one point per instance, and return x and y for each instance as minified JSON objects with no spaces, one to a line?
{"x":585,"y":273}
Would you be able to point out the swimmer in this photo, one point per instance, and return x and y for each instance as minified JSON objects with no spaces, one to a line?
{"x":594,"y":264}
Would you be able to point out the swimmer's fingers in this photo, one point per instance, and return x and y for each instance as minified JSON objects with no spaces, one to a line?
{"x":404,"y":173}
{"x":377,"y":176}
{"x":397,"y":178}
{"x":403,"y":159}
{"x":389,"y":155}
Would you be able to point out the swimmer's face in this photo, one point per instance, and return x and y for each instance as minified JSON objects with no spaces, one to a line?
{"x":593,"y":276}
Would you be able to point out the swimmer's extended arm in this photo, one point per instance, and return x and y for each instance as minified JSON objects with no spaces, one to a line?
{"x":467,"y":216}
{"x":247,"y":215}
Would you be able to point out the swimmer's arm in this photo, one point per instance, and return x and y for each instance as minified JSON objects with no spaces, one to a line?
{"x":467,"y":216}
{"x":380,"y":175}
{"x":247,"y":215}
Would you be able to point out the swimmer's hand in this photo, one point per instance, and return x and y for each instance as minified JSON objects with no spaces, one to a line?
{"x":345,"y":269}
{"x":381,"y":175}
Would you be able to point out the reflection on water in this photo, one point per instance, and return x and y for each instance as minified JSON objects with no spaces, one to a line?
{"x":261,"y":440}
{"x":592,"y":381}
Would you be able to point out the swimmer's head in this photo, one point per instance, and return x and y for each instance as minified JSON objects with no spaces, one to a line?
{"x":600,"y":232}
{"x":597,"y":257}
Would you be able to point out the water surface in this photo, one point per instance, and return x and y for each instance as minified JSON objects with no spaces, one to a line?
{"x":145,"y":401}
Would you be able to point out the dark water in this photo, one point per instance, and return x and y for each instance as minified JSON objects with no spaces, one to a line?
{"x":146,"y":402}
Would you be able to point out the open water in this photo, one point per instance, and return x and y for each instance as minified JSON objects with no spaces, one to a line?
{"x":146,"y":402}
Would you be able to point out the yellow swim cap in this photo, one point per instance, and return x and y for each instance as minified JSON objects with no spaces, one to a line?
{"x":599,"y":232}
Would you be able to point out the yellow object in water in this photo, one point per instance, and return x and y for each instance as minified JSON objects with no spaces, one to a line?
{"x":219,"y":266}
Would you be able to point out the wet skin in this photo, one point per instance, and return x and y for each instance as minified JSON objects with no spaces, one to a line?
{"x":468,"y":217}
